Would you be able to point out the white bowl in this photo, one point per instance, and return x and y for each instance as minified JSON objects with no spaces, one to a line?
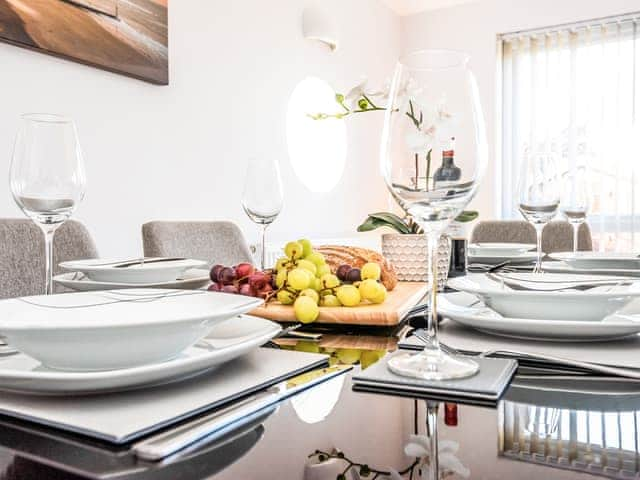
{"x":89,"y":331}
{"x":590,"y":305}
{"x":456,"y":307}
{"x":151,"y":271}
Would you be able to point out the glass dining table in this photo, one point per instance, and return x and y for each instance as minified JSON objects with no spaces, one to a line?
{"x":552,"y":427}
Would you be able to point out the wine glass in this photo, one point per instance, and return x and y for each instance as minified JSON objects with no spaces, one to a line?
{"x":433,"y":98}
{"x":574,"y":201}
{"x":262,"y":198}
{"x":538,"y":194}
{"x":47,"y":176}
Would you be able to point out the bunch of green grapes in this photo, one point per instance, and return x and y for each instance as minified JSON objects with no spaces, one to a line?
{"x":303,"y":279}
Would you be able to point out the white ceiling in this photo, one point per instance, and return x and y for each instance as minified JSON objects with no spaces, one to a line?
{"x":409,"y":7}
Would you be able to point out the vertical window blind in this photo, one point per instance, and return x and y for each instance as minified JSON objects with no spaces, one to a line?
{"x":571,"y":89}
{"x":602,"y":443}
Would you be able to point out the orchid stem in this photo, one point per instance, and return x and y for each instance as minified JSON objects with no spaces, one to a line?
{"x":428,"y":173}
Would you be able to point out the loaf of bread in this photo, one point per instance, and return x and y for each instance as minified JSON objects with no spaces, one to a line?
{"x":356,"y":257}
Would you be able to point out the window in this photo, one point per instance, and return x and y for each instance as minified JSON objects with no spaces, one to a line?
{"x":572,"y":90}
{"x":317,"y":149}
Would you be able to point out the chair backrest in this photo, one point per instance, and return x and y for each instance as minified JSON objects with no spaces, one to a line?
{"x":22,"y":254}
{"x":557,"y":236}
{"x":214,"y":242}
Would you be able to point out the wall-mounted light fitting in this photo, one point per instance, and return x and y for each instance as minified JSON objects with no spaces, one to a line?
{"x":318,"y":26}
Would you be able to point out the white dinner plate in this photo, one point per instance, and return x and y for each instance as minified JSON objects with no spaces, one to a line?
{"x":78,"y":281}
{"x":151,"y":271}
{"x":499,"y":249}
{"x":591,"y":260}
{"x":226,"y":341}
{"x":114,"y":328}
{"x":562,"y":267}
{"x":544,"y":303}
{"x":465,"y":309}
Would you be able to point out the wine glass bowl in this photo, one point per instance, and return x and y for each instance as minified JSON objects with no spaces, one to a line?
{"x":433,"y":99}
{"x":47,"y":176}
{"x":538,"y":194}
{"x":262,"y":197}
{"x":574,"y":201}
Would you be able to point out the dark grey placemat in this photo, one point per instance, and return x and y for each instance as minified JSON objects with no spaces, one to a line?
{"x":488,"y":384}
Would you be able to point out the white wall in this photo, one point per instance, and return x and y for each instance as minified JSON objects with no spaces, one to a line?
{"x":179,"y":152}
{"x":473,"y":28}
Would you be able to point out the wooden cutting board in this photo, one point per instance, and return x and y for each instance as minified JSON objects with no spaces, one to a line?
{"x":399,"y":301}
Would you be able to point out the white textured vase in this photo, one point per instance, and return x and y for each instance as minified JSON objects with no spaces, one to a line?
{"x":408,"y":255}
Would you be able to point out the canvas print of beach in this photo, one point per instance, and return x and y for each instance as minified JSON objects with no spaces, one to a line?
{"x":123,"y":36}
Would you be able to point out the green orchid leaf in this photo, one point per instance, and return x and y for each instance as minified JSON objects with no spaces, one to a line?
{"x":373,"y":223}
{"x":396,"y":222}
{"x":467,"y":216}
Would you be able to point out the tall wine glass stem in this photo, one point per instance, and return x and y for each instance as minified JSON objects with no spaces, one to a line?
{"x":576,"y":228}
{"x":432,"y":433}
{"x":432,"y":313}
{"x":539,"y":227}
{"x":432,"y":363}
{"x":263,"y":246}
{"x":49,"y":231}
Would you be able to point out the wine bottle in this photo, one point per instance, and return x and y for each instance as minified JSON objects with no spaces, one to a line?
{"x":458,"y":258}
{"x":448,"y":172}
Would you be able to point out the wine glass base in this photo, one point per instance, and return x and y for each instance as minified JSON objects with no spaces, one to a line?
{"x":432,"y":365}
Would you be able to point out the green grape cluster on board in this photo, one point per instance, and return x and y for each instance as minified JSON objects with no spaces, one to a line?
{"x":303,"y":279}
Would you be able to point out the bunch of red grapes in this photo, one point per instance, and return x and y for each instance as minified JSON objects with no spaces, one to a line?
{"x":242,"y":279}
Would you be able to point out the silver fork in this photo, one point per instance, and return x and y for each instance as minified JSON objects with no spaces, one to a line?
{"x":565,"y":362}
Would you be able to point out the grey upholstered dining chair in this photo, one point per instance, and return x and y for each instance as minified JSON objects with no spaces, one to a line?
{"x":22,"y":254}
{"x":214,"y":242}
{"x":557,"y":236}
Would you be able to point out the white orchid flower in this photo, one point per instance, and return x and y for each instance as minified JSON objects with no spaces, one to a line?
{"x":355,"y":94}
{"x":418,"y":446}
{"x":448,"y":446}
{"x":450,"y":463}
{"x":437,"y":125}
{"x":418,"y":141}
{"x":382,"y":92}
